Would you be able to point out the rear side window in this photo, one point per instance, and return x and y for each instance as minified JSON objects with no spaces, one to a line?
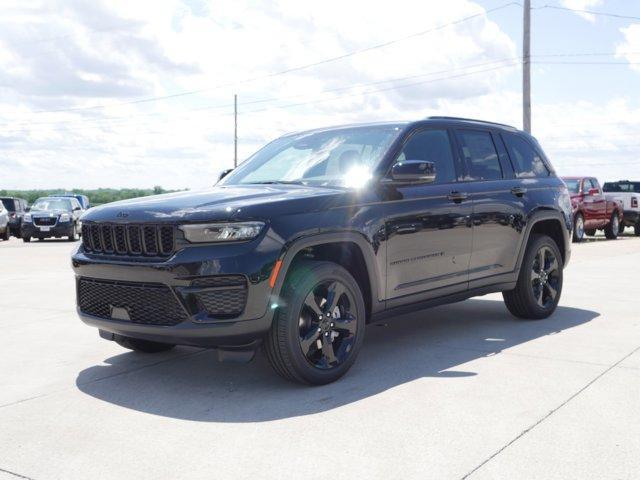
{"x":526,"y":161}
{"x":622,"y":187}
{"x":480,"y":154}
{"x":432,"y":146}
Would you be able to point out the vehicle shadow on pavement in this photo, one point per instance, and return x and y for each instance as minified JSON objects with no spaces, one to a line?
{"x":436,"y":342}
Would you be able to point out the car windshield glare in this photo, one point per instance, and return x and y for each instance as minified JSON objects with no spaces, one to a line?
{"x":343,"y":157}
{"x":51,"y":204}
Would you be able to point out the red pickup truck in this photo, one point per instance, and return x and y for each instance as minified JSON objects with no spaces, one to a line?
{"x":591,"y":209}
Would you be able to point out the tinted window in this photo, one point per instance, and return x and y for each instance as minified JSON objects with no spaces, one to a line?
{"x":526,"y":161}
{"x":9,"y":204}
{"x":622,"y":187}
{"x":432,"y":146}
{"x":481,"y":156}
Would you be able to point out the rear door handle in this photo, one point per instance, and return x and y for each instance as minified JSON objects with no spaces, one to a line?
{"x":457,"y":197}
{"x":518,"y":191}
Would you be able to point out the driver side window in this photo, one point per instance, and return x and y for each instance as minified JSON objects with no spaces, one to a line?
{"x":432,"y":146}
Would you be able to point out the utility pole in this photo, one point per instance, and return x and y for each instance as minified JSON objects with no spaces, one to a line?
{"x":526,"y":68}
{"x":235,"y":130}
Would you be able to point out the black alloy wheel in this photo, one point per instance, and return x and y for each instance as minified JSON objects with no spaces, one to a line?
{"x":328,"y":325}
{"x":318,"y":328}
{"x":545,"y":277}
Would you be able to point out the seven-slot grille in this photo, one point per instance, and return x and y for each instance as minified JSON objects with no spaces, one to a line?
{"x":147,"y":303}
{"x":142,"y":240}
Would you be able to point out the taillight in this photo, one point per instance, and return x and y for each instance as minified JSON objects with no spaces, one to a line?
{"x":634,"y":202}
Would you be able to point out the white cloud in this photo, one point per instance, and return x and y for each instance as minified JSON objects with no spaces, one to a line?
{"x":582,"y":5}
{"x":67,"y":54}
{"x":630,"y":48}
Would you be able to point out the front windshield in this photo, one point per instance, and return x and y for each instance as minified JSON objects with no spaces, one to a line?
{"x":343,"y":157}
{"x":51,"y":204}
{"x":573,"y":185}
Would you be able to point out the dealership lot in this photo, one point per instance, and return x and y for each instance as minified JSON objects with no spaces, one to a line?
{"x":455,"y":391}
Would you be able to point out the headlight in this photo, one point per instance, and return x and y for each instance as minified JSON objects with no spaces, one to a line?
{"x":27,"y":217}
{"x":222,"y":232}
{"x":65,"y":217}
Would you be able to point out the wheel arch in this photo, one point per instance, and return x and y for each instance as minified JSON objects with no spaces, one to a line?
{"x":350,"y":250}
{"x":551,"y":223}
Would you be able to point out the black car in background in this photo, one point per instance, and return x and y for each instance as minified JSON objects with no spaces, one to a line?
{"x":324,"y":231}
{"x":16,"y":207}
{"x":82,"y":199}
{"x":52,"y":217}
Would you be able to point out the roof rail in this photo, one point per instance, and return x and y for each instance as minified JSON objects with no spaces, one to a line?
{"x":437,"y":117}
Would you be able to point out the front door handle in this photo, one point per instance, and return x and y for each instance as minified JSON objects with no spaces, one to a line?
{"x":457,"y":197}
{"x":518,"y":191}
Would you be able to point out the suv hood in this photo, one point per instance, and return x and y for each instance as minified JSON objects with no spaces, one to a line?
{"x":221,"y":203}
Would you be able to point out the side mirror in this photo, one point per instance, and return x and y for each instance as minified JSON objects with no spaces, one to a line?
{"x":224,"y":173}
{"x":413,"y":172}
{"x":28,"y":209}
{"x":77,"y":208}
{"x":593,"y":191}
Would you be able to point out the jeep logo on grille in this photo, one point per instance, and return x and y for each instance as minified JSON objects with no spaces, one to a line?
{"x":119,"y":313}
{"x":122,"y":215}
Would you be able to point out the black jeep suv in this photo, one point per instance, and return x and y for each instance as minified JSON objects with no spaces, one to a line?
{"x":321,"y":232}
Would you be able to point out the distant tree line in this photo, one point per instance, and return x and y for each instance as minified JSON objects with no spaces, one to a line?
{"x":96,"y":197}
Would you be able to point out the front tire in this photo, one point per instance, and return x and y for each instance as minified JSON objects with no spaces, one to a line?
{"x":539,"y":285}
{"x":613,"y":227}
{"x":7,"y":234}
{"x":143,"y":346}
{"x":317,"y":333}
{"x":578,"y":228}
{"x":74,"y":234}
{"x":26,"y":239}
{"x":636,"y":229}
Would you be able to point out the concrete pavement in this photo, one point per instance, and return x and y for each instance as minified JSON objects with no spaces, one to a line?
{"x":459,"y":391}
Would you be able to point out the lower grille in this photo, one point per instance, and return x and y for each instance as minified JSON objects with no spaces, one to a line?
{"x":221,"y":296}
{"x":150,"y":304}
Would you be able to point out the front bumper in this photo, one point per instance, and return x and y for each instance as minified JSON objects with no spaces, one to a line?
{"x":180,"y":273}
{"x":60,"y":229}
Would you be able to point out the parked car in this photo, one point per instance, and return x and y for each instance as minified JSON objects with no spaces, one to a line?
{"x":627,"y":194}
{"x":52,"y":217}
{"x":321,"y":232}
{"x":82,"y":199}
{"x":4,"y":223}
{"x":592,"y":211}
{"x":17,"y":207}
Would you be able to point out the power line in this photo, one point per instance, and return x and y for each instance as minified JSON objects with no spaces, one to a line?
{"x":509,"y":62}
{"x":590,"y":12}
{"x":292,"y":69}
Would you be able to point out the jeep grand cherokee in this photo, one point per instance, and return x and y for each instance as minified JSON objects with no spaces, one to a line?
{"x":324,"y":231}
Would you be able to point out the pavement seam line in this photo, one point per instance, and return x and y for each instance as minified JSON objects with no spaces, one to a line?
{"x":531,"y":427}
{"x":105,"y":378}
{"x":15,"y":474}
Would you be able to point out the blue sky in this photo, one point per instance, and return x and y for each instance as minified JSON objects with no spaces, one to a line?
{"x":135,"y":94}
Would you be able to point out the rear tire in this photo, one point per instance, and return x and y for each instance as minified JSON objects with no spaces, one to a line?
{"x":613,"y":227}
{"x":539,"y":285}
{"x":143,"y":346}
{"x":7,"y":234}
{"x":590,"y":232}
{"x":578,"y":228}
{"x":318,"y":331}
